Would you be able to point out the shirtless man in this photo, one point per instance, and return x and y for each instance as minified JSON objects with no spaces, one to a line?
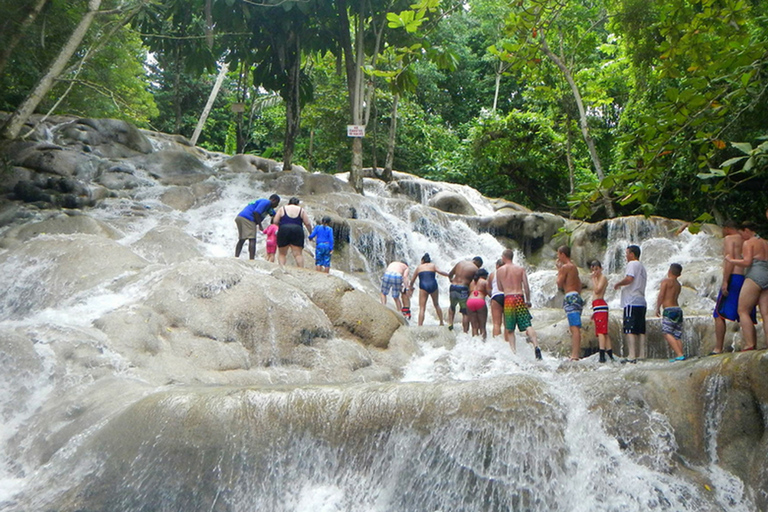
{"x":755,"y":288}
{"x":672,"y":321}
{"x":394,"y":276}
{"x":600,"y":310}
{"x":569,"y":283}
{"x":727,"y":305}
{"x":461,"y":275}
{"x":513,"y":282}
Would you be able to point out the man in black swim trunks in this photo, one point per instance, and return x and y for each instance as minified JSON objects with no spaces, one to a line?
{"x":461,"y":275}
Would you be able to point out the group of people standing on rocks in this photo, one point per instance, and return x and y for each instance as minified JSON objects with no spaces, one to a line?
{"x":506,"y":290}
{"x":285,"y":232}
{"x":508,"y":293}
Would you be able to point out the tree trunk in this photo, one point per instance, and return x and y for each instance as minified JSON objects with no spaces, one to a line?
{"x":582,"y":122}
{"x":292,"y":104}
{"x":354,"y":78}
{"x":30,"y":17}
{"x":496,"y":91}
{"x":387,"y":174}
{"x":16,"y":121}
{"x":568,"y":152}
{"x":209,"y":104}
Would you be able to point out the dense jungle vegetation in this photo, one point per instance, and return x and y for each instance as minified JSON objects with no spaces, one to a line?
{"x":588,"y":108}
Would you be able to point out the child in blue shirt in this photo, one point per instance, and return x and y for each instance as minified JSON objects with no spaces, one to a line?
{"x":323,"y":244}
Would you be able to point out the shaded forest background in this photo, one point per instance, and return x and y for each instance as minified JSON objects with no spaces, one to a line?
{"x":582,"y":108}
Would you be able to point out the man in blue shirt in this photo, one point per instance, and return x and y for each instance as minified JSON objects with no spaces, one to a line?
{"x":323,"y":245}
{"x":251,"y":218}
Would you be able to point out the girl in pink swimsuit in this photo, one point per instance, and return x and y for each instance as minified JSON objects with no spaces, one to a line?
{"x":476,"y":306}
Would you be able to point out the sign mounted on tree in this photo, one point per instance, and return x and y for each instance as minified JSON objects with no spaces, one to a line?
{"x":355,"y":130}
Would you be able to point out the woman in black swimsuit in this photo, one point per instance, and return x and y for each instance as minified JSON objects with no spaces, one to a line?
{"x":291,"y":233}
{"x":428,"y":286}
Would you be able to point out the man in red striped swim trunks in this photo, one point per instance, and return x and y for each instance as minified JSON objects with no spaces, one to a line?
{"x":600,"y":309}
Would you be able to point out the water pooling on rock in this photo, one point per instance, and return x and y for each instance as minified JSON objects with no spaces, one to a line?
{"x":144,"y":368}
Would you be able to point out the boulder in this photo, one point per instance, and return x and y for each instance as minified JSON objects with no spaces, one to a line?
{"x":58,"y":269}
{"x":167,"y":245}
{"x":169,"y":164}
{"x":451,"y":202}
{"x":111,"y":138}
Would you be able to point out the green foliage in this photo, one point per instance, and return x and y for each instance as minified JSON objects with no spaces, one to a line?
{"x":519,"y":157}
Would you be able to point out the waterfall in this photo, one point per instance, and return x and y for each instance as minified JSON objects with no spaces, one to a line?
{"x":466,"y":425}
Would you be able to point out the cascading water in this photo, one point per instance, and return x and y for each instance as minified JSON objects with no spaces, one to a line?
{"x":468,"y":426}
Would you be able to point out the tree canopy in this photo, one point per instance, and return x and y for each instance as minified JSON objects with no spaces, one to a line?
{"x":588,"y":108}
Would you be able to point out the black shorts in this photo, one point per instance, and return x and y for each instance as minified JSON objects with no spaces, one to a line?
{"x":290,"y":234}
{"x":634,"y":319}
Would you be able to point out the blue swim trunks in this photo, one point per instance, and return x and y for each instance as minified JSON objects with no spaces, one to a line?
{"x":573,"y":304}
{"x":728,"y":306}
{"x":323,"y":255}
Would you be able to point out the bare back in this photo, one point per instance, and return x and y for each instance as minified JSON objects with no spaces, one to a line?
{"x":668,"y":293}
{"x":568,"y":278}
{"x":512,"y":280}
{"x":755,"y":249}
{"x":463,"y":273}
{"x":732,"y":247}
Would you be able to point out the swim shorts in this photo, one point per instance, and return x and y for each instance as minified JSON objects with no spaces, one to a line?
{"x":516,"y":312}
{"x":573,"y":304}
{"x":459,"y":295}
{"x":290,"y":234}
{"x":391,"y":281}
{"x":600,"y":316}
{"x":728,"y":306}
{"x":323,"y":255}
{"x":246,"y":228}
{"x":499,"y":299}
{"x":672,"y":322}
{"x":634,"y":319}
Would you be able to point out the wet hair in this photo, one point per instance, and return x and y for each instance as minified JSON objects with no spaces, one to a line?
{"x":477,"y":260}
{"x":481,"y":273}
{"x":748,"y":224}
{"x":508,"y":254}
{"x":426,"y":258}
{"x":293,"y":200}
{"x":274,"y":198}
{"x":634,"y":249}
{"x":676,"y":269}
{"x":565,"y":250}
{"x":326,"y":220}
{"x":730,"y":224}
{"x":499,"y":262}
{"x":595,"y":263}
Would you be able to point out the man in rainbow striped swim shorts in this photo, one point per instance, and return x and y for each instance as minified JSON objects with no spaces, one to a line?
{"x":513,"y":282}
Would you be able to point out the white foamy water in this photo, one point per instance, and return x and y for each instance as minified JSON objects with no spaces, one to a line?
{"x":312,"y":474}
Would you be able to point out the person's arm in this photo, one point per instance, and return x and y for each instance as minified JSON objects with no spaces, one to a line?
{"x":499,"y":281}
{"x":330,"y":241}
{"x":305,"y":219}
{"x":561,"y":276}
{"x":313,"y":234}
{"x":749,"y":254}
{"x":526,"y":290}
{"x":278,"y":216}
{"x":441,"y":272}
{"x":624,"y":282}
{"x":489,"y":284}
{"x":660,"y":296}
{"x":415,"y":274}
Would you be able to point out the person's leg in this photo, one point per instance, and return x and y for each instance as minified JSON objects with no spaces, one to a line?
{"x":282,"y":253}
{"x":398,"y":303}
{"x":631,"y":346}
{"x":423,"y":305}
{"x":482,"y":320}
{"x":575,"y":342}
{"x":719,"y":334}
{"x":642,"y":352}
{"x":509,"y":335}
{"x":465,"y":320}
{"x":471,"y":316}
{"x":763,"y":304}
{"x":252,"y":248}
{"x":436,"y":302}
{"x":271,"y":257}
{"x":675,"y":344}
{"x":748,"y":298}
{"x":497,"y":312}
{"x":239,"y":247}
{"x":298,"y":255}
